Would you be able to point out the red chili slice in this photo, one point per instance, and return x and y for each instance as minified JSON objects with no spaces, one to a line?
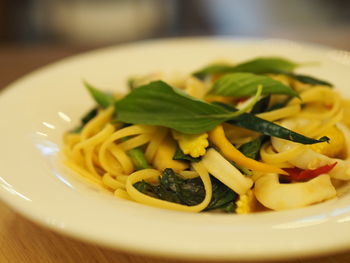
{"x":243,"y":99}
{"x":299,"y":175}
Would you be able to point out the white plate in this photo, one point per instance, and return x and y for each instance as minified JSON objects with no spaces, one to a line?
{"x":36,"y":110}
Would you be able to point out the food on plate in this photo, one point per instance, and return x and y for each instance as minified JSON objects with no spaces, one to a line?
{"x":237,"y":138}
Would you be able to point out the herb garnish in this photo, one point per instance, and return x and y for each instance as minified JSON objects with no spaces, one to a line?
{"x":157,"y":103}
{"x":258,"y":66}
{"x":174,"y":188}
{"x":245,"y":84}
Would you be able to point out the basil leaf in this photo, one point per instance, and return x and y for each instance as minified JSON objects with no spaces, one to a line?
{"x":157,"y":103}
{"x":251,"y":149}
{"x":265,"y":65}
{"x":131,"y":83}
{"x":102,"y":98}
{"x":259,"y":66}
{"x":213,"y":69}
{"x":245,"y":84}
{"x":179,"y":155}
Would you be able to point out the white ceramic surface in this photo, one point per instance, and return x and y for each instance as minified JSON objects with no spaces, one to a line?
{"x":36,"y":110}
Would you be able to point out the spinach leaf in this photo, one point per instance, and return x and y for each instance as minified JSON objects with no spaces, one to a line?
{"x":102,"y":98}
{"x":146,"y":188}
{"x":251,"y":149}
{"x":258,"y":66}
{"x":229,"y":207}
{"x":245,"y":84}
{"x":157,"y":103}
{"x":189,"y":192}
{"x":174,"y":188}
{"x":222,"y":195}
{"x":180,"y":155}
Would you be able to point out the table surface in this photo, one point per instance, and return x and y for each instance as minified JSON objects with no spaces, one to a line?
{"x":22,"y":241}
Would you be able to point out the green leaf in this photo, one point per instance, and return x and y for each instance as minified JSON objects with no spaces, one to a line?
{"x":131,"y":83}
{"x":157,"y":103}
{"x":213,"y":69}
{"x":245,"y":84}
{"x":176,"y":189}
{"x":309,"y":80}
{"x":222,"y":196}
{"x":258,"y":66}
{"x":251,"y":149}
{"x":89,"y":116}
{"x":279,"y":105}
{"x":179,"y":155}
{"x":254,"y":123}
{"x":261,"y":106}
{"x":85,"y":119}
{"x":251,"y":122}
{"x":102,"y":98}
{"x":265,"y":65}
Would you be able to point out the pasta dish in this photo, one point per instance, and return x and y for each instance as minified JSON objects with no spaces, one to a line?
{"x":235,"y":138}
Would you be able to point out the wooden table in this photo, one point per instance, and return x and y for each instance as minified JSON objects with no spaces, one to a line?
{"x":22,"y":241}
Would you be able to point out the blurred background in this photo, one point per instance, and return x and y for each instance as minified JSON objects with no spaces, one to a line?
{"x":36,"y":32}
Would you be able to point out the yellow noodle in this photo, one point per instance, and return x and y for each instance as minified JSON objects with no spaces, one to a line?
{"x":311,"y":126}
{"x":325,"y":126}
{"x":313,"y":95}
{"x":152,"y":147}
{"x":282,"y":113}
{"x":135,"y":141}
{"x":122,"y":194}
{"x":306,"y":113}
{"x":70,"y":139}
{"x":122,"y":157}
{"x":94,"y":125}
{"x":122,"y":178}
{"x":130,"y":131}
{"x":109,"y":181}
{"x":238,"y":135}
{"x":80,"y":170}
{"x":92,"y":141}
{"x":88,"y":152}
{"x":189,"y":174}
{"x":112,"y":166}
{"x":269,"y":156}
{"x":116,"y":151}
